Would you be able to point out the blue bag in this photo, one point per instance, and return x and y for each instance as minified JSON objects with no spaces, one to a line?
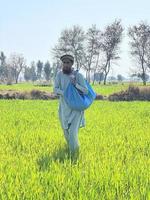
{"x":76,"y":100}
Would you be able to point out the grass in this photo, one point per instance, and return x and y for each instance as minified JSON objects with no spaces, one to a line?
{"x":109,"y":89}
{"x":100,"y":89}
{"x":114,"y":152}
{"x":25,"y":87}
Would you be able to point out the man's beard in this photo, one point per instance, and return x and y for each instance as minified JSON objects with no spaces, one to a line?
{"x":67,"y":71}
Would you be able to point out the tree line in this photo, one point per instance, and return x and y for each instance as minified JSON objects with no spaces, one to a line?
{"x":15,"y":66}
{"x":95,"y":51}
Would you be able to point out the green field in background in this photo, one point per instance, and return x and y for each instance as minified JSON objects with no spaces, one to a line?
{"x":100,"y":89}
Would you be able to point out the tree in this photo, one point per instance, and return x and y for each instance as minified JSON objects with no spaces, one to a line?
{"x":30,"y":73}
{"x":92,"y":50}
{"x":16,"y":64}
{"x":84,"y":47}
{"x":111,"y":39}
{"x":120,"y":78}
{"x":55,"y":68}
{"x":140,"y":42}
{"x":33,"y":72}
{"x":2,"y":58}
{"x":140,"y":76}
{"x":47,"y":71}
{"x":98,"y":76}
{"x":39,"y":69}
{"x":3,"y":67}
{"x":112,"y":78}
{"x":27,"y":74}
{"x":71,"y":41}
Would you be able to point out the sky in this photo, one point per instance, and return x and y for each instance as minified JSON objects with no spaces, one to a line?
{"x":32,"y":28}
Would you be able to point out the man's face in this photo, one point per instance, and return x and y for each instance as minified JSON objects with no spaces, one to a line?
{"x":67,"y":66}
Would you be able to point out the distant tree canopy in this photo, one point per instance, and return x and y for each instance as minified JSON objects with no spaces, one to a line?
{"x":30,"y":73}
{"x":120,"y":78}
{"x":47,"y":71}
{"x":39,"y":66}
{"x":3,"y":67}
{"x":95,"y":51}
{"x":98,"y":76}
{"x":140,"y":49}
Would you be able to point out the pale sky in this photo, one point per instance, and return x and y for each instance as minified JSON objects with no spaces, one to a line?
{"x":33,"y":27}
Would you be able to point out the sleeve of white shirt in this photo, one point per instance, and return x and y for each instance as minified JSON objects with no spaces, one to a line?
{"x":81,"y":84}
{"x":56,"y":88}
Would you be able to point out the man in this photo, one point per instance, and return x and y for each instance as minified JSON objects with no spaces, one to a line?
{"x":71,"y":120}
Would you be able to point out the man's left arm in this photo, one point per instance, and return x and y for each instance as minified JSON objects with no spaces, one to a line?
{"x":81,"y":84}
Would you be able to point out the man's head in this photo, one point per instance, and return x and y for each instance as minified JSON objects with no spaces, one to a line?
{"x":67,"y":61}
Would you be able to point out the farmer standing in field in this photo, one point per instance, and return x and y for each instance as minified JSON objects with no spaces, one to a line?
{"x":71,"y":120}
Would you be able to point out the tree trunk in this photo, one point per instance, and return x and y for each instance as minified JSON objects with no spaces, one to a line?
{"x":16,"y":81}
{"x":94,"y":78}
{"x":89,"y":80}
{"x":99,"y":80}
{"x":144,"y":79}
{"x":105,"y":77}
{"x":86,"y":75}
{"x":107,"y":69}
{"x":143,"y":75}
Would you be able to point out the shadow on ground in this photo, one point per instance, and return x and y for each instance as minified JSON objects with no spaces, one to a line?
{"x":60,"y":155}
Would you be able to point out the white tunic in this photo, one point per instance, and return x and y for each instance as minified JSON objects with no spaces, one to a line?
{"x":67,"y":116}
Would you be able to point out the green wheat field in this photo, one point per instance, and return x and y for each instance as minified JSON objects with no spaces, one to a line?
{"x":101,"y":89}
{"x":114,"y":160}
